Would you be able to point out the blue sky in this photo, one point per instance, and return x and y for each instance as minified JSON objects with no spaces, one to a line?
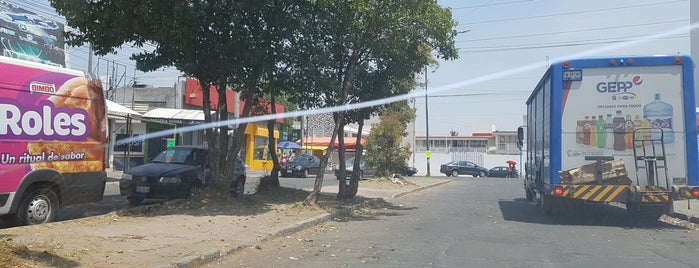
{"x":509,"y":34}
{"x":510,"y":40}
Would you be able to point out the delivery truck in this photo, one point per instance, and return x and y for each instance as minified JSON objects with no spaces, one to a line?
{"x":613,"y":130}
{"x":53,"y":131}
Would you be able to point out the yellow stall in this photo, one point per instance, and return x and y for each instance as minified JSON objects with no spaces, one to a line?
{"x":257,"y":155}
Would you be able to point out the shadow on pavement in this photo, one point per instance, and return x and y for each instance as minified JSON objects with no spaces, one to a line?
{"x":374,"y":208}
{"x":522,"y":210}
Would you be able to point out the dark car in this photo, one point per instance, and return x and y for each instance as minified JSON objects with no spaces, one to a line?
{"x":502,"y":172}
{"x":349,"y":167}
{"x":456,"y":168}
{"x":177,"y":172}
{"x":408,"y":171}
{"x":300,"y":166}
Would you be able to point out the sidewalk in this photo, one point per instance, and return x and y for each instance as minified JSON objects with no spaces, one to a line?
{"x":154,"y":236}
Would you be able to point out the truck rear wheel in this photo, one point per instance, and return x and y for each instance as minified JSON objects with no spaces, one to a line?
{"x":647,"y":212}
{"x":547,"y":205}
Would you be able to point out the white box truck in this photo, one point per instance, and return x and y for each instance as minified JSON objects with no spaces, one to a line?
{"x":595,"y":112}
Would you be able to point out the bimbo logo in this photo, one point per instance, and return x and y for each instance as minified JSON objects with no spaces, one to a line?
{"x":618,"y":86}
{"x":38,"y":87}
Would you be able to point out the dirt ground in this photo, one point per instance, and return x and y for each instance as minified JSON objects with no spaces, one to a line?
{"x":159,"y":236}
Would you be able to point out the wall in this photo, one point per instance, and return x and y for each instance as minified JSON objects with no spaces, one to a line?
{"x":489,"y":161}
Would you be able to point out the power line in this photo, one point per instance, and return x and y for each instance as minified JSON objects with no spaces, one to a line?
{"x":556,"y":45}
{"x":572,"y":31}
{"x":573,"y":13}
{"x":488,"y":5}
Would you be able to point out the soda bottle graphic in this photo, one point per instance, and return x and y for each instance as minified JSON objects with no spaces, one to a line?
{"x":628,"y":138}
{"x":637,"y":123}
{"x":644,"y":133}
{"x":593,"y":131}
{"x":659,"y":114}
{"x":619,"y":132}
{"x":586,"y":131}
{"x":609,"y":129}
{"x":579,"y":132}
{"x":601,"y":132}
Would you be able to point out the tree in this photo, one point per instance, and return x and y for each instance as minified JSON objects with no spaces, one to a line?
{"x":219,"y":42}
{"x":354,"y":51}
{"x":453,"y":133}
{"x":384,"y":150}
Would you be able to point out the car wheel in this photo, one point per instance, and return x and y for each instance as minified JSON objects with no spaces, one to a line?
{"x":238,"y":187}
{"x":455,"y":173}
{"x":481,"y":174}
{"x":135,"y":201}
{"x":305,"y":173}
{"x":193,"y":189}
{"x":38,"y":206}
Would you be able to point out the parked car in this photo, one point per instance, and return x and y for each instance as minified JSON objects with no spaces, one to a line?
{"x":300,"y":166}
{"x":408,"y":171}
{"x":177,"y":172}
{"x":502,"y":172}
{"x":349,"y":166}
{"x":456,"y":168}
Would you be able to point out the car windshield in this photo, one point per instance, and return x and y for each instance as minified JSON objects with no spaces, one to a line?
{"x":181,"y":155}
{"x":300,"y":158}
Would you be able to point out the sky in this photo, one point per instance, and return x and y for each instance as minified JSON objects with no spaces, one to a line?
{"x":510,"y":43}
{"x":505,"y":48}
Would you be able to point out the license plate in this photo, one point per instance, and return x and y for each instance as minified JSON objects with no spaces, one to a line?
{"x":142,"y":189}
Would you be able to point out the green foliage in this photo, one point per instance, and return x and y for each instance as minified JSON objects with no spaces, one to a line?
{"x":320,"y":53}
{"x":383,"y":146}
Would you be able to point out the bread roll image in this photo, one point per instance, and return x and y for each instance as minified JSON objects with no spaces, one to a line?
{"x":87,"y":155}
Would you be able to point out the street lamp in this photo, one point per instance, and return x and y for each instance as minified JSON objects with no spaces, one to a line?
{"x":428,"y":153}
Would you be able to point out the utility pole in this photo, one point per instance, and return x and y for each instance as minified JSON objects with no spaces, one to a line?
{"x":428,"y":153}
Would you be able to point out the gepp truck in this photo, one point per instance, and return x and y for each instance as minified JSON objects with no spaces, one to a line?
{"x":53,"y":131}
{"x":634,"y":116}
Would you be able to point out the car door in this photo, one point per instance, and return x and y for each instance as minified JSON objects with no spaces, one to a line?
{"x":462,"y":166}
{"x":470,"y":168}
{"x":499,"y":172}
{"x":313,"y":165}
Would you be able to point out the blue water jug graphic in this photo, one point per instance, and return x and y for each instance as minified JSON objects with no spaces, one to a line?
{"x":659,"y":115}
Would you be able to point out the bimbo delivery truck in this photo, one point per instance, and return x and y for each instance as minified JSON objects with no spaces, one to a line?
{"x":53,"y":128}
{"x":602,"y":130}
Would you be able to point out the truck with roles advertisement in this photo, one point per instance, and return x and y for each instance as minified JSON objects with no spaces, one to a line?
{"x":53,"y":131}
{"x":622,"y":130}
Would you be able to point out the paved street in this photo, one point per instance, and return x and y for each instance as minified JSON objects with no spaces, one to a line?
{"x":474,"y":222}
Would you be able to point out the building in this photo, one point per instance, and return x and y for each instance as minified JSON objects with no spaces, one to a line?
{"x":496,"y":142}
{"x":169,"y":113}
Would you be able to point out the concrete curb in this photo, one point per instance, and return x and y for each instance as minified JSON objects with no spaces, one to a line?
{"x":203,"y":258}
{"x":685,"y":217}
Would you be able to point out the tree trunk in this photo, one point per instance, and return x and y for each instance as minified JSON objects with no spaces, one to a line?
{"x":342,"y":180}
{"x":218,"y":142}
{"x":353,"y":187}
{"x":312,"y":198}
{"x":271,"y":181}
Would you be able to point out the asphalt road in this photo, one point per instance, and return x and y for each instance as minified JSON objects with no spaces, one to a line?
{"x":476,"y":222}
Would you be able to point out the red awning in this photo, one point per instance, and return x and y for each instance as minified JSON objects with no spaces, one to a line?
{"x":350,"y":142}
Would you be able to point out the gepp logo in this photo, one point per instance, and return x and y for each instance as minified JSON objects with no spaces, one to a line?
{"x":618,"y":86}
